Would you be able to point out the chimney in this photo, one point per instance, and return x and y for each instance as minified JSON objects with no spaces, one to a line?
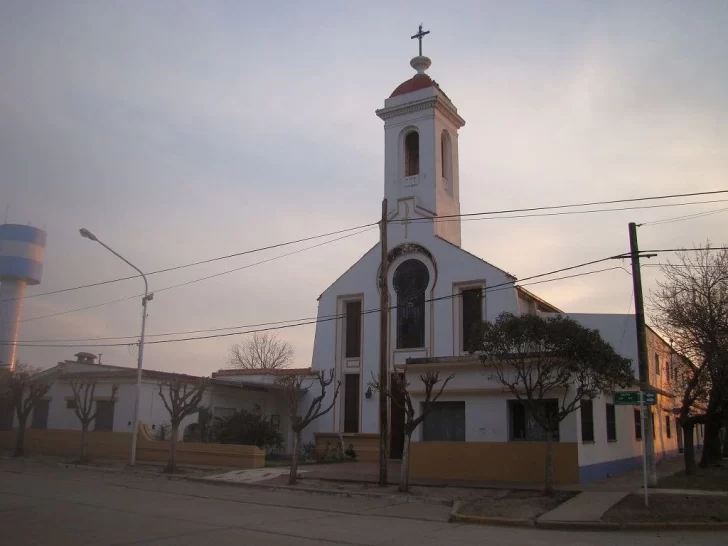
{"x":85,"y":358}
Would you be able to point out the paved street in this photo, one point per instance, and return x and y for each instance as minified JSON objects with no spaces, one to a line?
{"x":59,"y":506}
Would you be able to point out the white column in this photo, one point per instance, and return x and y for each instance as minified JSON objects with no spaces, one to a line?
{"x":11,"y":302}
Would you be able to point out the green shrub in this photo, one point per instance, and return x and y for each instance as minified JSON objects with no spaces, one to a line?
{"x":248,"y":428}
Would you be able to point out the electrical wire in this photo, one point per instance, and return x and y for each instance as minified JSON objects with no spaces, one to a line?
{"x":574,"y":205}
{"x":175,"y":268}
{"x":468,"y":218}
{"x":198,"y":279}
{"x":269,"y":247}
{"x":495,"y":287}
{"x":682,"y":218}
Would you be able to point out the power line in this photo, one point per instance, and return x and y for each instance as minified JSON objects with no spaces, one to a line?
{"x":251,"y":251}
{"x":529,"y":209}
{"x":711,"y":249}
{"x":682,"y":218}
{"x":493,"y":288}
{"x":573,"y":205}
{"x":198,"y":279}
{"x":469,"y":218}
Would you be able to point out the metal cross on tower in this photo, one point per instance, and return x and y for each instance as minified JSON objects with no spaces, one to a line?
{"x":420,"y":34}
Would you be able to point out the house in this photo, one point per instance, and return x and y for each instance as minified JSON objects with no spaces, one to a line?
{"x":228,"y":391}
{"x":437,"y":292}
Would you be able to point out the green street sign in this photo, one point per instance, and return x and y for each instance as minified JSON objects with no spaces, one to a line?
{"x":632,"y":398}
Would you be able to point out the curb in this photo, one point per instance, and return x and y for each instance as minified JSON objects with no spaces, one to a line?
{"x":286,"y":488}
{"x":586,"y":525}
{"x":329,"y":492}
{"x":488,"y":520}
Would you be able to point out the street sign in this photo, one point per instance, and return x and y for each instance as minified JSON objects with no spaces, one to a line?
{"x":632,"y":398}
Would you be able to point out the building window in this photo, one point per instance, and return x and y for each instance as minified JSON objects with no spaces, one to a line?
{"x":668,"y":432}
{"x":104,"y":415}
{"x":657,"y":364}
{"x":40,"y":414}
{"x":611,"y":424}
{"x":445,"y":423}
{"x":637,"y":425}
{"x":587,"y":421}
{"x":446,"y":157}
{"x":71,"y":404}
{"x":353,"y":329}
{"x":523,"y":424}
{"x":412,"y":153}
{"x":472,"y":314}
{"x":275,"y":421}
{"x":351,"y":403}
{"x":410,"y":282}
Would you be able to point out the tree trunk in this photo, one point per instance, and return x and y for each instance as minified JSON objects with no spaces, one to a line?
{"x":404,"y":469}
{"x":689,"y":448}
{"x":172,"y":463}
{"x":549,"y":484}
{"x":20,"y":438}
{"x":293,"y":476}
{"x":711,"y":443}
{"x":84,"y":443}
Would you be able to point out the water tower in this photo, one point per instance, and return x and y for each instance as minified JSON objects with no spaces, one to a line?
{"x":21,"y":263}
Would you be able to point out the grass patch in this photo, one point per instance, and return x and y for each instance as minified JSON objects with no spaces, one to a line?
{"x":516,"y":504}
{"x":708,"y":479}
{"x":668,"y":508}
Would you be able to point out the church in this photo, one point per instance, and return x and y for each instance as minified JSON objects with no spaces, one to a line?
{"x":437,"y":292}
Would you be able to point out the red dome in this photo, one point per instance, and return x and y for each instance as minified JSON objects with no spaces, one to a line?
{"x":419,"y":81}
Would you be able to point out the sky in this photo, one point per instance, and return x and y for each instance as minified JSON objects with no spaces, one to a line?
{"x":180,"y":131}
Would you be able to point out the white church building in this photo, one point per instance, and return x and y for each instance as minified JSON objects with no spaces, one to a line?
{"x":437,"y":291}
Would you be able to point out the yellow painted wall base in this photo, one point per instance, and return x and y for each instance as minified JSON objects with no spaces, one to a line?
{"x":492,"y":461}
{"x":365,"y":445}
{"x":116,"y":445}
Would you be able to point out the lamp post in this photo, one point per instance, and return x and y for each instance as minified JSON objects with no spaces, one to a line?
{"x":147,"y":298}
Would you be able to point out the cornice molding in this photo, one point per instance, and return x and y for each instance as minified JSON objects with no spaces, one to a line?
{"x":435,"y":103}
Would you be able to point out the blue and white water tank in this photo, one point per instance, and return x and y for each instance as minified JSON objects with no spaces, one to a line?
{"x":22,"y":249}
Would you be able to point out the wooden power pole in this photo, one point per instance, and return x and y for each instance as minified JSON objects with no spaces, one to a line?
{"x":648,"y":441}
{"x":383,"y":351}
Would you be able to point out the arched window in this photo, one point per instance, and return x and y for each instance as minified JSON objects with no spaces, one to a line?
{"x":410,"y":282}
{"x":446,"y":157}
{"x":412,"y":153}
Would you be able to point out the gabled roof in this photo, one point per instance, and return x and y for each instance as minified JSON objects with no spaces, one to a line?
{"x":262,"y":371}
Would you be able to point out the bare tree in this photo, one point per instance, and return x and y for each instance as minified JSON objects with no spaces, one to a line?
{"x":399,"y":394}
{"x":261,"y":351}
{"x":183,"y":397}
{"x":690,"y":307}
{"x":86,"y":410}
{"x":550,"y":365}
{"x":295,"y":386}
{"x":24,"y":391}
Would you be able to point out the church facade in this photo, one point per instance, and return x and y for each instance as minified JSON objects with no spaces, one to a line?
{"x":437,"y":291}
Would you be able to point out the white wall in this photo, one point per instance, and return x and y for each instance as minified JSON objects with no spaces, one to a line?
{"x":450,"y":266}
{"x":486,"y":404}
{"x":620,"y":332}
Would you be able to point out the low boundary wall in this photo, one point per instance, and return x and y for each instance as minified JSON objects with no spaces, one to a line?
{"x":116,"y":445}
{"x":492,"y":461}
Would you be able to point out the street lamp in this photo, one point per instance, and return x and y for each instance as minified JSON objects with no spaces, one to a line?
{"x":147,"y":297}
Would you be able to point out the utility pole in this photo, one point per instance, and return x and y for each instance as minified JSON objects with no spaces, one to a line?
{"x":643,"y":358}
{"x":383,"y":351}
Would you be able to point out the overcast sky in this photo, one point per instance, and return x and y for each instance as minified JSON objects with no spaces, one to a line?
{"x":180,"y":131}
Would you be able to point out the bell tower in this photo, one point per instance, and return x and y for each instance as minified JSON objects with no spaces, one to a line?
{"x":421,"y":127}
